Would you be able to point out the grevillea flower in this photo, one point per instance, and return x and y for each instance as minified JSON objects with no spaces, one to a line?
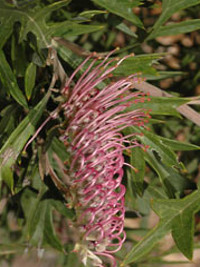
{"x":95,"y":119}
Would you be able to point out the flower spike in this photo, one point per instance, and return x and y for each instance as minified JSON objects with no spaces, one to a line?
{"x":95,"y":119}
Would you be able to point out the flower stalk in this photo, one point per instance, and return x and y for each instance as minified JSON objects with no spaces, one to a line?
{"x":95,"y":118}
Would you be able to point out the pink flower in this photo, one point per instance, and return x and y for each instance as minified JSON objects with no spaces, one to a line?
{"x":93,"y":137}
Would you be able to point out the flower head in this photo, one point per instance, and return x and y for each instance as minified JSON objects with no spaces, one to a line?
{"x":96,"y":115}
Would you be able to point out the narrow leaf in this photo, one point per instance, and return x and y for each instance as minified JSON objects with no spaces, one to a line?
{"x":173,"y":182}
{"x":91,"y":13}
{"x":9,"y":81}
{"x":179,"y":146}
{"x":177,"y":28}
{"x":68,"y":28}
{"x":30,"y":79}
{"x":16,"y":141}
{"x":122,"y":8}
{"x":138,"y":175}
{"x":151,"y":140}
{"x":139,"y":63}
{"x":169,"y":7}
{"x":161,"y":105}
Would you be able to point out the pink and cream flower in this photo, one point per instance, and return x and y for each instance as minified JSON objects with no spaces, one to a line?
{"x":96,"y":115}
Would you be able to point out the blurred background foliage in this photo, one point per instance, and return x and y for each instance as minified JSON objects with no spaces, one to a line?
{"x":41,"y":42}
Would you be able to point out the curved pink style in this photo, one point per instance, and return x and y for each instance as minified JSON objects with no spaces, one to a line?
{"x":95,"y":119}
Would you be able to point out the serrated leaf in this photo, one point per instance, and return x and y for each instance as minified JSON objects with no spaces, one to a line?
{"x":30,"y":76}
{"x":169,"y":7}
{"x":175,"y":215}
{"x":9,"y":81}
{"x":177,"y":28}
{"x":16,"y":141}
{"x":122,"y":8}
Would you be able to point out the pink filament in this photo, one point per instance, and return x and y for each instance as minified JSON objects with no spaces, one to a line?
{"x":96,"y":118}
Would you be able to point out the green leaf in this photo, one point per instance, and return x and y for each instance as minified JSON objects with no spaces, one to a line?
{"x":179,"y":146}
{"x":175,"y":215}
{"x":162,"y":105}
{"x":61,"y":207}
{"x":139,"y":63}
{"x":7,"y":175}
{"x":8,"y":121}
{"x":173,"y":183}
{"x":137,"y":176}
{"x":161,"y":75}
{"x":5,"y":30}
{"x":49,"y":232}
{"x":39,"y":227}
{"x":30,"y":203}
{"x":169,"y":7}
{"x":30,"y":76}
{"x":18,"y":56}
{"x":124,"y":28}
{"x":177,"y":28}
{"x":68,"y":28}
{"x":9,"y":81}
{"x":33,"y":20}
{"x":122,"y":8}
{"x":91,"y":13}
{"x":16,"y":141}
{"x":154,"y":143}
{"x":60,"y":149}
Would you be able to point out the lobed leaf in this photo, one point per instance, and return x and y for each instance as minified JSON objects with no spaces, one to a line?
{"x":176,"y":216}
